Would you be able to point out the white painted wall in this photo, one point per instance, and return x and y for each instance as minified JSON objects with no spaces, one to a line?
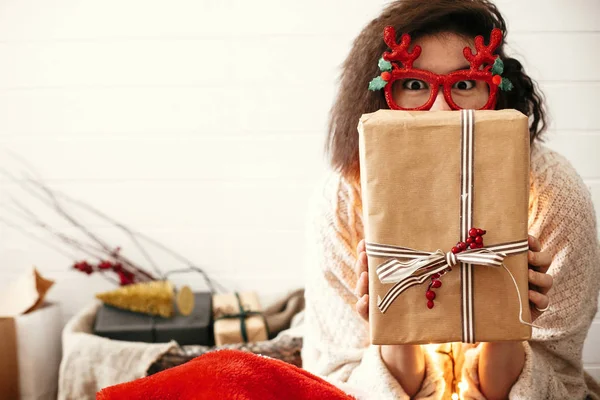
{"x":201,"y":123}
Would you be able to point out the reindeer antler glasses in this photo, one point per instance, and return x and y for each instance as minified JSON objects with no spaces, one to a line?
{"x":408,"y":88}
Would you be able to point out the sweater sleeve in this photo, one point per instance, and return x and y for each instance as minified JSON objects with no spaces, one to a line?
{"x":562,"y":216}
{"x":336,"y":340}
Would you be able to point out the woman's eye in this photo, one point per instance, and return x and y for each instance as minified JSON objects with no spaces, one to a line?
{"x":414,"y":84}
{"x":464,"y":85}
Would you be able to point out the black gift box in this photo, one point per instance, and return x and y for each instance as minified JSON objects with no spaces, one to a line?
{"x":197,"y":328}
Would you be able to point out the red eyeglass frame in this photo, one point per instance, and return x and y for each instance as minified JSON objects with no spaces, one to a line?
{"x":436,"y":81}
{"x":480,"y":61}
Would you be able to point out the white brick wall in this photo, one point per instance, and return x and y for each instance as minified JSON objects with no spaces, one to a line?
{"x":171,"y":117}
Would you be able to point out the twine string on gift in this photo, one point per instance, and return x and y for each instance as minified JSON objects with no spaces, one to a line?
{"x":521,"y":320}
{"x":244,"y":312}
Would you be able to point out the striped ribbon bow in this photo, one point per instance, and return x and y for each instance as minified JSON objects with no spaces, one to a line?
{"x":421,"y":265}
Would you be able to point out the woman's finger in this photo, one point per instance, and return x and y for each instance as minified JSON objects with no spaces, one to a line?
{"x":541,"y":301}
{"x":362,"y":283}
{"x":543,"y":282}
{"x":361,"y":263}
{"x":362,"y":307}
{"x":361,"y":260}
{"x":362,"y":286}
{"x":362,"y":257}
{"x":541,"y":260}
{"x":357,"y":265}
{"x":534,"y":244}
{"x":361,"y":246}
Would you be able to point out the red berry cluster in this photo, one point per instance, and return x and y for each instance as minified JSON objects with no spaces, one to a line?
{"x":83,"y":266}
{"x":434,"y":284}
{"x":125,"y":277}
{"x":474,"y":241}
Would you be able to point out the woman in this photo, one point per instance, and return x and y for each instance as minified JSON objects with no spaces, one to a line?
{"x":564,"y":254}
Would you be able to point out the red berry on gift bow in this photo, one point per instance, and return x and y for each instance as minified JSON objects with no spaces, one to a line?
{"x":474,"y":241}
{"x":430,"y":294}
{"x":386,"y":76}
{"x":497,"y":79}
{"x":475,"y":238}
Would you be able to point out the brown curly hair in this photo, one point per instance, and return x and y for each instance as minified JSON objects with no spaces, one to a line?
{"x":467,"y":18}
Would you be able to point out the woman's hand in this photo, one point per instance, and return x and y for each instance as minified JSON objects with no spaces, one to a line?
{"x":539,"y":281}
{"x":362,"y":284}
{"x":406,"y":363}
{"x":501,"y":363}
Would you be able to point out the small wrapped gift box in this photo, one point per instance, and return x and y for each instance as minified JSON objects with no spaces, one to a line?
{"x":30,"y":331}
{"x":445,"y":203}
{"x":117,"y":324}
{"x":238,"y":318}
{"x":30,"y":354}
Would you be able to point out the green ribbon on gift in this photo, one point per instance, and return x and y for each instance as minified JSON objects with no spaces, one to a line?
{"x":242,"y":315}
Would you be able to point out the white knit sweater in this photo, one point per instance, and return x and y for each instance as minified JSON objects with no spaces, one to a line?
{"x":336,"y":345}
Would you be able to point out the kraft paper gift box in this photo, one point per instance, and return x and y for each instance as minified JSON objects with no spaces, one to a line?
{"x":238,"y":318}
{"x":427,"y":178}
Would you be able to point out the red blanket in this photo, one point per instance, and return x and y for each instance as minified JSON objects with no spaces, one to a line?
{"x":227,"y":374}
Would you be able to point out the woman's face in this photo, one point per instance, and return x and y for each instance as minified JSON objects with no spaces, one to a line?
{"x":440,"y":54}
